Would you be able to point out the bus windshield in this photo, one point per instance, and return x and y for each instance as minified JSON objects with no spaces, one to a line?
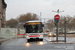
{"x":34,"y":28}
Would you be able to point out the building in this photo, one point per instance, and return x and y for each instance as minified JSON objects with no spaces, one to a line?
{"x":3,"y":6}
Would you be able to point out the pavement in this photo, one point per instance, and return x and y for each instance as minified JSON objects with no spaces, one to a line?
{"x":4,"y":40}
{"x":5,"y":37}
{"x":46,"y":44}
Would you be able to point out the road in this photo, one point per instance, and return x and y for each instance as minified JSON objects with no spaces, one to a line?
{"x":22,"y":44}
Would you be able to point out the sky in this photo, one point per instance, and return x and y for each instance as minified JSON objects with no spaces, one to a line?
{"x":18,"y":7}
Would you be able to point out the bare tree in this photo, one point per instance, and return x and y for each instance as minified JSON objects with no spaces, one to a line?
{"x":27,"y":17}
{"x":11,"y":23}
{"x":70,"y":22}
{"x":50,"y":24}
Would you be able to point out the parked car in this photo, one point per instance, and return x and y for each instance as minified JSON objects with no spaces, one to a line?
{"x":50,"y":34}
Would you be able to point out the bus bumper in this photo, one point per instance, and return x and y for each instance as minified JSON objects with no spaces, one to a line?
{"x":40,"y":37}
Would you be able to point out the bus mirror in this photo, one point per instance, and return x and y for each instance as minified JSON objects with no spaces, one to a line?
{"x":24,"y":26}
{"x":42,"y":25}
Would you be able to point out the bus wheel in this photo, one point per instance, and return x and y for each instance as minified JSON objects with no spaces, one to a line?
{"x":28,"y":40}
{"x":41,"y":39}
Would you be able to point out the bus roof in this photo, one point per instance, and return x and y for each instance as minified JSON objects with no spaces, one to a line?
{"x":33,"y":21}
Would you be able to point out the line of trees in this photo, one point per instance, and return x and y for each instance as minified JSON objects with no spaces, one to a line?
{"x":12,"y":23}
{"x":70,"y":23}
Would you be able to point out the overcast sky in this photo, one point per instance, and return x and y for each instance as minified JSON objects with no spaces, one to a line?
{"x":18,"y":7}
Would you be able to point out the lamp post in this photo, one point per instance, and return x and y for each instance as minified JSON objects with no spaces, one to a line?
{"x":40,"y":16}
{"x":44,"y":22}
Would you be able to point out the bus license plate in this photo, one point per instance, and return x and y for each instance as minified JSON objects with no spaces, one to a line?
{"x":34,"y":37}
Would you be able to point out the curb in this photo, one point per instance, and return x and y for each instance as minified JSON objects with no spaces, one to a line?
{"x":62,"y":43}
{"x":5,"y":40}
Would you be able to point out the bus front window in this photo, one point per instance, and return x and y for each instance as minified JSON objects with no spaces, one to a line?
{"x":33,"y":28}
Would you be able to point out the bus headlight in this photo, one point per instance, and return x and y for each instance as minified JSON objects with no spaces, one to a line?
{"x":54,"y":34}
{"x":50,"y":34}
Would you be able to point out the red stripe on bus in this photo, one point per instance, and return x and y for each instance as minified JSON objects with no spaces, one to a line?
{"x":21,"y":34}
{"x":34,"y":36}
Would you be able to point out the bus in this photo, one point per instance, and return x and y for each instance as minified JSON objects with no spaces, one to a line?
{"x":34,"y":30}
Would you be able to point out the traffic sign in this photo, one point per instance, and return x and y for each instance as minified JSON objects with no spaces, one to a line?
{"x":57,"y":17}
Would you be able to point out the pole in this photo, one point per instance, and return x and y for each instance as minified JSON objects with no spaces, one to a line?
{"x":44,"y":23}
{"x":40,"y":16}
{"x":65,"y":30}
{"x":57,"y":32}
{"x":15,"y":34}
{"x":57,"y":24}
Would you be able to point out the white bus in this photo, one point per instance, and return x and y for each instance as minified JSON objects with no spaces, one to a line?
{"x":34,"y":30}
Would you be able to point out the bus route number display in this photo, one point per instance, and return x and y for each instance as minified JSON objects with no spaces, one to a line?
{"x":33,"y":23}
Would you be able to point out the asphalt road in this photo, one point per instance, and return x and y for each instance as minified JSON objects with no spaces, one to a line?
{"x":22,"y":44}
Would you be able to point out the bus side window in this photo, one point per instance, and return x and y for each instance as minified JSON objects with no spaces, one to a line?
{"x":24,"y":25}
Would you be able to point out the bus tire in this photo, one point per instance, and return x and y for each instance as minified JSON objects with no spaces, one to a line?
{"x":41,"y":39}
{"x":28,"y":40}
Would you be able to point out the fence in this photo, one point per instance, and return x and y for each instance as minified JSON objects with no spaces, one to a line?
{"x":10,"y":32}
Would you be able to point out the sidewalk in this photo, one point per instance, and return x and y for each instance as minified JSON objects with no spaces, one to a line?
{"x":4,"y":39}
